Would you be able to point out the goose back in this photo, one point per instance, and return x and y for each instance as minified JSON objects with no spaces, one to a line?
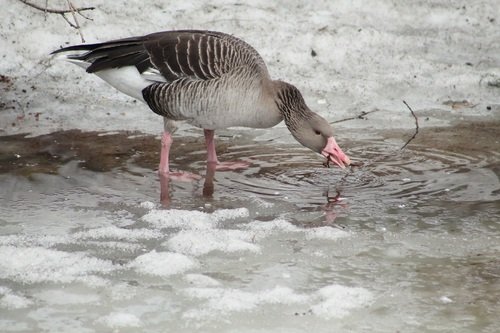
{"x":194,"y":54}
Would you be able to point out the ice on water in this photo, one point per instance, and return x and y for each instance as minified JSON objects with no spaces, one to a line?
{"x":186,"y":255}
{"x":163,"y":264}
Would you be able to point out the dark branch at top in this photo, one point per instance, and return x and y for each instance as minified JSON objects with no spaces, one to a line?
{"x":56,"y":11}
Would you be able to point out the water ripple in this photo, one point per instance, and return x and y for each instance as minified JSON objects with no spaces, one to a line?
{"x":419,"y":173}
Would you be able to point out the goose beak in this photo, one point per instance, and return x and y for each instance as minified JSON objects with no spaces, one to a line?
{"x":334,"y":154}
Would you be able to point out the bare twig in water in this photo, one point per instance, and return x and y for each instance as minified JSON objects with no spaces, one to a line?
{"x":56,"y":11}
{"x":359,"y":116}
{"x":338,"y":188}
{"x":333,"y":198}
{"x":416,"y":126}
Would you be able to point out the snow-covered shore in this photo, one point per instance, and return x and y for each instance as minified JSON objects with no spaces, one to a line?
{"x":345,"y":56}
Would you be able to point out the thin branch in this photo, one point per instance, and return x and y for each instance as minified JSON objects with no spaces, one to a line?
{"x":359,"y":116}
{"x":71,"y":24}
{"x":73,"y":9}
{"x":416,"y":125}
{"x":84,"y":16}
{"x":56,"y":11}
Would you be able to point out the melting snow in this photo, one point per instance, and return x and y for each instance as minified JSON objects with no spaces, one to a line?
{"x":174,"y":218}
{"x":333,"y":301}
{"x":120,"y":320}
{"x":37,"y":264}
{"x":10,"y":300}
{"x":113,"y":232}
{"x":201,"y":280}
{"x":221,"y":301}
{"x":162,"y":264}
{"x":66,"y":297}
{"x":197,"y":243}
{"x":337,"y":301}
{"x":328,"y":233}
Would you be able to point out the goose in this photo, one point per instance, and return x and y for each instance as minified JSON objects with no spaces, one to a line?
{"x":208,"y":79}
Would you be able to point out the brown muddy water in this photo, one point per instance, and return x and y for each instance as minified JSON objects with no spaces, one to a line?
{"x":91,"y":239}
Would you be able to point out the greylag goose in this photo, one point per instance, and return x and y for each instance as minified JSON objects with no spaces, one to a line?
{"x":209,"y":79}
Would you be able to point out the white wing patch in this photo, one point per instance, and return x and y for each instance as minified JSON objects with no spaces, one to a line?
{"x":126,"y":79}
{"x":154,"y":75}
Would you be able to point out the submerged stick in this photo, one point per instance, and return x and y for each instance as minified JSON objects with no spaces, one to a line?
{"x":416,"y":126}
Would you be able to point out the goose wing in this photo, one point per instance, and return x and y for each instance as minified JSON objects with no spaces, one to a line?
{"x":173,"y":55}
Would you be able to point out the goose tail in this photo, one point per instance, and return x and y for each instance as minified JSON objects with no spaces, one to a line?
{"x":124,"y":64}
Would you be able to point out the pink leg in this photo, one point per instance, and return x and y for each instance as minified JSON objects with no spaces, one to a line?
{"x":164,"y":170}
{"x":209,"y":140}
{"x":166,"y":142}
{"x":212,"y":155}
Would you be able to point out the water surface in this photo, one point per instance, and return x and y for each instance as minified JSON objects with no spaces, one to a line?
{"x":91,"y":239}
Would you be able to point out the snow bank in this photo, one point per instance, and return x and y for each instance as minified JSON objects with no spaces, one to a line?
{"x":345,"y":56}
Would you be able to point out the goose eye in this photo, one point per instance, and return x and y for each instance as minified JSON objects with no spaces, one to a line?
{"x":317,"y":132}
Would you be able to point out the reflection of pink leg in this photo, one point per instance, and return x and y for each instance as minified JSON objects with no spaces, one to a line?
{"x":164,"y":190}
{"x":164,"y":169}
{"x":212,"y":155}
{"x":208,"y":186}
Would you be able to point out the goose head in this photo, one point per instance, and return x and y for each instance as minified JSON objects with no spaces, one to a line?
{"x":307,"y":127}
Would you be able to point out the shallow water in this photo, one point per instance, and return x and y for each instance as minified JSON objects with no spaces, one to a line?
{"x":403,"y":241}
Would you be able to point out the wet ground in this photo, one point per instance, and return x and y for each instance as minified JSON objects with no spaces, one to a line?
{"x":406,"y":240}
